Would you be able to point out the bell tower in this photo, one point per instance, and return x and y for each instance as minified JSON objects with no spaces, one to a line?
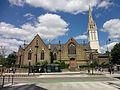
{"x":92,"y":34}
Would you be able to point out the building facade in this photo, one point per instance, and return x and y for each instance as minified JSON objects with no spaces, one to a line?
{"x":71,"y":52}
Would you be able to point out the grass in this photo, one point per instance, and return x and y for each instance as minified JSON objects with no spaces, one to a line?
{"x":56,"y":81}
{"x":95,"y":74}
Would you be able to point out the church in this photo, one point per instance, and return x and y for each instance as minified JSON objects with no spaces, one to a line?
{"x":71,"y":52}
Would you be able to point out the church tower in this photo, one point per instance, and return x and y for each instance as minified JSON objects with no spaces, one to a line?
{"x":92,"y":33}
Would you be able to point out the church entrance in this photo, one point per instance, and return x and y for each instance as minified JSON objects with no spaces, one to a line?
{"x":72,"y":62}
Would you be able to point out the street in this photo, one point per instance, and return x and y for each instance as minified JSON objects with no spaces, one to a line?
{"x":63,"y":82}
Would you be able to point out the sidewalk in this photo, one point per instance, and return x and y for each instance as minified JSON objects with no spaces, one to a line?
{"x":63,"y":74}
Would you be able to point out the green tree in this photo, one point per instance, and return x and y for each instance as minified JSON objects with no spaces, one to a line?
{"x":105,"y":64}
{"x":95,"y":64}
{"x":10,"y":60}
{"x":2,"y":60}
{"x":115,"y":54}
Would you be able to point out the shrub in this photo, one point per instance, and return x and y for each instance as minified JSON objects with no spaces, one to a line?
{"x":24,"y":66}
{"x":83,"y":66}
{"x":105,"y":65}
{"x":63,"y":65}
{"x":56,"y":62}
{"x":94,"y":64}
{"x":38,"y":63}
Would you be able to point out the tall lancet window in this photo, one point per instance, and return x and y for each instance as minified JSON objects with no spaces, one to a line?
{"x":71,"y":48}
{"x":55,"y":56}
{"x":30,"y":55}
{"x":42,"y":55}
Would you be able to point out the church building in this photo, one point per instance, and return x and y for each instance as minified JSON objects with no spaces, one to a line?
{"x":71,"y":52}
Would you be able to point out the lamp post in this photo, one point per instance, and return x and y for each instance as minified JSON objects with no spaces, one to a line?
{"x":108,"y":50}
{"x":29,"y":68}
{"x":107,"y":43}
{"x":91,"y":59}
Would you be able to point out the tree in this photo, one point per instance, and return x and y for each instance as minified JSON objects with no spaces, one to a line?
{"x":115,"y":54}
{"x":2,"y":60}
{"x":94,"y":64}
{"x":11,"y":59}
{"x":105,"y":64}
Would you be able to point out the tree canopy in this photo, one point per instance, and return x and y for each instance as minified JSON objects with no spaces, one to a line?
{"x":115,"y":54}
{"x":9,"y":61}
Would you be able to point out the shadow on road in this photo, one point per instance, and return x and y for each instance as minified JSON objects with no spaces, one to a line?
{"x":23,"y":87}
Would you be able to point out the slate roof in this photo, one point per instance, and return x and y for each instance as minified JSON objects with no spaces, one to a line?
{"x":57,"y":46}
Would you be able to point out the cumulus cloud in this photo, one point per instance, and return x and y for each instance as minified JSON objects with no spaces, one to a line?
{"x":81,"y":37}
{"x":17,"y":2}
{"x":10,"y":45}
{"x":109,"y":46}
{"x":70,"y":6}
{"x":48,"y":26}
{"x":113,"y":28}
{"x":105,"y":3}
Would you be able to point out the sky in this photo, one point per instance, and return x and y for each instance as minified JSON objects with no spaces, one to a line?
{"x":57,"y":20}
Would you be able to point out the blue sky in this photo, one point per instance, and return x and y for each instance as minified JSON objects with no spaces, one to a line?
{"x":57,"y":20}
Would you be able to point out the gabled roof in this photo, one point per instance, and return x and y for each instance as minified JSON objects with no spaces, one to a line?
{"x":53,"y":46}
{"x":35,"y":38}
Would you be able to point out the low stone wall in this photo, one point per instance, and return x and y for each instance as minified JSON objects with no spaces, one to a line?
{"x":21,"y":70}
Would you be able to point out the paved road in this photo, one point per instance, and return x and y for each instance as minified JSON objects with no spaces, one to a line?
{"x":58,"y":79}
{"x":63,"y":86}
{"x":63,"y":83}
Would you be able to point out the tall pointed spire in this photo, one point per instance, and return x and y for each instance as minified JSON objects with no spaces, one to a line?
{"x":90,"y":16}
{"x":92,"y":33}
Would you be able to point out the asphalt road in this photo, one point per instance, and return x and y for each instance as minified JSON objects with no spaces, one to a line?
{"x":61,"y":83}
{"x":56,"y":79}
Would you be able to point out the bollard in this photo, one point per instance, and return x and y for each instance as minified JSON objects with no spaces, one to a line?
{"x":3,"y":80}
{"x":8,"y":78}
{"x":12,"y":79}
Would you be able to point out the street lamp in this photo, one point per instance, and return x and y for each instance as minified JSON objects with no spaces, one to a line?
{"x":107,"y":49}
{"x":91,"y":60}
{"x":29,"y":68}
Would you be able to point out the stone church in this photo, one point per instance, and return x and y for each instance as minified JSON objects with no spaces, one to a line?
{"x":71,"y":52}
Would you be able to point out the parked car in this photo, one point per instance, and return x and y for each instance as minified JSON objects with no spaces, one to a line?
{"x":38,"y":69}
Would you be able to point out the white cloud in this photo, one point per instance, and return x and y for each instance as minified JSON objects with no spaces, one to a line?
{"x":48,"y":26}
{"x":17,"y":2}
{"x":10,"y":44}
{"x":105,"y":3}
{"x":109,"y":46}
{"x":97,"y":15}
{"x":81,"y":37}
{"x":29,"y":16}
{"x":70,"y":6}
{"x":113,"y":28}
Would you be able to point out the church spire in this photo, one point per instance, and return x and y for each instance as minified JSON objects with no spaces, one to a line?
{"x":90,"y":16}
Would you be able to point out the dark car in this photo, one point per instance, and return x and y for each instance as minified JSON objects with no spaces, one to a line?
{"x":38,"y":69}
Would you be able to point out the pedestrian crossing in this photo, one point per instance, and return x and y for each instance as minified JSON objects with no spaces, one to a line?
{"x":77,"y":86}
{"x":62,"y":86}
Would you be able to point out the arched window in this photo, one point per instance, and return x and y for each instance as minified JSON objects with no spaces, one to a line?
{"x":42,"y":55}
{"x":55,"y":56}
{"x":71,"y":48}
{"x":30,"y":55}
